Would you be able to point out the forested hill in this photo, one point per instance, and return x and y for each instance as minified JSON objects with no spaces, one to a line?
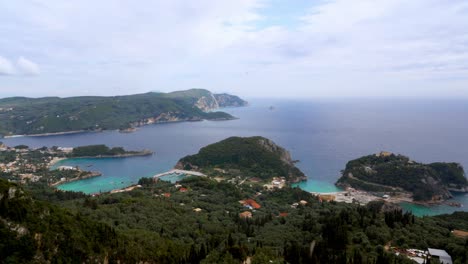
{"x":390,"y":172}
{"x":28,"y":116}
{"x":205,"y":223}
{"x":246,"y":157}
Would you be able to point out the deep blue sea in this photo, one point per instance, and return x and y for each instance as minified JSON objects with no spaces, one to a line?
{"x":322,"y":134}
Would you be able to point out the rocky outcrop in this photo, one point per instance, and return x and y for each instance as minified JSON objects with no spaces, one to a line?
{"x":207,"y":103}
{"x":387,"y":172}
{"x":227,"y":100}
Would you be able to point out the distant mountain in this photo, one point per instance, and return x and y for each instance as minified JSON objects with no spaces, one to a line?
{"x":29,"y":116}
{"x":388,"y":172}
{"x":249,"y":157}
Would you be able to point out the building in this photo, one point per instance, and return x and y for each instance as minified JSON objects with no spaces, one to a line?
{"x":245,"y":214}
{"x":441,"y":255}
{"x":251,"y":203}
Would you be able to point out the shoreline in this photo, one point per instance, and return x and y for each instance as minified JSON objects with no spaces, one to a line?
{"x":127,"y":155}
{"x":54,"y":161}
{"x":89,"y":175}
{"x":118,"y":130}
{"x":364,"y":197}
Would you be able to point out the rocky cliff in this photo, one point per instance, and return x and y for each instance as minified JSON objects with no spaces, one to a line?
{"x":227,"y":100}
{"x":387,"y":172}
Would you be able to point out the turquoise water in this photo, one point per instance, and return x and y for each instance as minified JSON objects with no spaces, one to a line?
{"x":173,"y":177}
{"x":116,"y":173}
{"x":312,"y":185}
{"x":421,"y":210}
{"x":322,"y":134}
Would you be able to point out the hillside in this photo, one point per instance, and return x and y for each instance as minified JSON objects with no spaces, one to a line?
{"x":388,"y":172}
{"x":249,"y":157}
{"x":158,"y":223}
{"x":29,"y":116}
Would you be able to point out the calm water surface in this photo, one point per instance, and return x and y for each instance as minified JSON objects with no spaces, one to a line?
{"x":322,"y":134}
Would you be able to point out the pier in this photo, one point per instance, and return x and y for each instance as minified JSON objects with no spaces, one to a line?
{"x":193,"y":173}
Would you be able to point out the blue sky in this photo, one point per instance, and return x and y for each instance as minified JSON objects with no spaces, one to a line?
{"x":252,"y":48}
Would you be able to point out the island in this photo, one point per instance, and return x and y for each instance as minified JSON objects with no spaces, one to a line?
{"x":255,"y":159}
{"x":389,"y":174}
{"x":54,"y":115}
{"x":201,"y":219}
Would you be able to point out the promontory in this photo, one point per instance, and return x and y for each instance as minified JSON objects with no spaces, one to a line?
{"x":388,"y":172}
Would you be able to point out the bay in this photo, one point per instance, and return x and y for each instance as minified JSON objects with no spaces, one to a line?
{"x":322,"y":134}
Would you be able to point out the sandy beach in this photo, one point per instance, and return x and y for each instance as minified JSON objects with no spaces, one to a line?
{"x":54,"y":161}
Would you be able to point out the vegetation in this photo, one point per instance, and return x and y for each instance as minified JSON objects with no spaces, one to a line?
{"x":144,"y":225}
{"x":389,"y":173}
{"x":249,"y":157}
{"x":20,"y":115}
{"x":101,"y":150}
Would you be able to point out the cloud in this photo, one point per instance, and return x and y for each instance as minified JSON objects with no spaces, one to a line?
{"x":6,"y":67}
{"x":322,"y":48}
{"x":23,"y":66}
{"x":27,"y":67}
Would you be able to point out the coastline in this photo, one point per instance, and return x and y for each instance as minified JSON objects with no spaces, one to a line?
{"x":89,"y":175}
{"x":126,"y":155}
{"x":52,"y":134}
{"x":364,"y":197}
{"x":124,"y":132}
{"x":54,"y":161}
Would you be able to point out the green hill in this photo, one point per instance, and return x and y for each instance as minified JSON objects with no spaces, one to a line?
{"x":249,"y":157}
{"x":26,"y":116}
{"x":147,"y":226}
{"x":388,"y":172}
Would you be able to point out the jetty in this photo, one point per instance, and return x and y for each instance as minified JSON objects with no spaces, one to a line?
{"x":178,"y":172}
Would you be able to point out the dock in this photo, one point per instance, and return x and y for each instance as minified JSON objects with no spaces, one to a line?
{"x":175,"y":171}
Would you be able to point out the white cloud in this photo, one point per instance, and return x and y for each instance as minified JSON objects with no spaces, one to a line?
{"x":6,"y":68}
{"x":27,"y":67}
{"x":338,"y":47}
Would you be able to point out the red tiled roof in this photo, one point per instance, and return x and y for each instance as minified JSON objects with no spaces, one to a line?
{"x":252,"y":203}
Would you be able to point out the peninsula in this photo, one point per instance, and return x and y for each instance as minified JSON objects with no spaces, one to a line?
{"x":54,"y":115}
{"x":389,"y":173}
{"x":29,"y":166}
{"x":254,"y":158}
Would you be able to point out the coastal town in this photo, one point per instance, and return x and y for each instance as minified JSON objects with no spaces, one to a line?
{"x":26,"y":165}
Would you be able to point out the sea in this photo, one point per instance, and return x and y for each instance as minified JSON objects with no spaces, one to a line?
{"x":323,"y":134}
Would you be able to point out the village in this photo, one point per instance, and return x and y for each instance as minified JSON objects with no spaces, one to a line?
{"x":24,"y":165}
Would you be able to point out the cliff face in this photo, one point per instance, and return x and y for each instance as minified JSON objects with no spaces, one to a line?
{"x":246,"y":157}
{"x":227,"y":100}
{"x":386,"y":172}
{"x":207,"y":103}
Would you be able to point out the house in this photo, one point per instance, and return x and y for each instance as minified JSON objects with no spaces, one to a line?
{"x":252,"y":203}
{"x":167,"y":195}
{"x":303,"y":203}
{"x":245,"y":214}
{"x":284,"y":214}
{"x":197,"y":210}
{"x":441,"y":255}
{"x":182,"y":189}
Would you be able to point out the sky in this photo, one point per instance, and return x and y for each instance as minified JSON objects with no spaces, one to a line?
{"x":251,"y":48}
